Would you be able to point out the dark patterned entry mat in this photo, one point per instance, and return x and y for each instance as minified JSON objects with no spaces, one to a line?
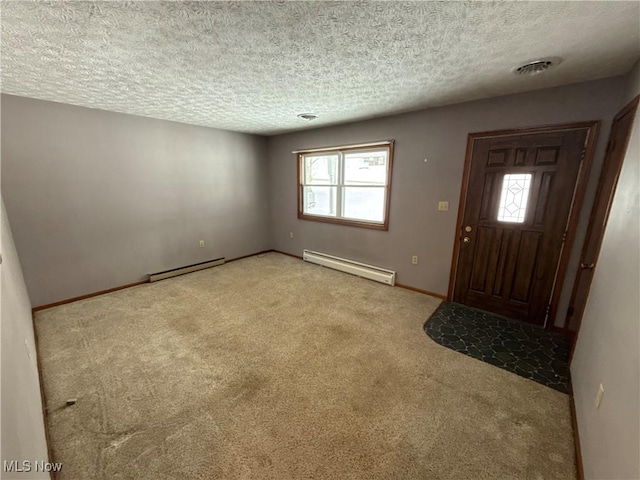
{"x":521,"y":348}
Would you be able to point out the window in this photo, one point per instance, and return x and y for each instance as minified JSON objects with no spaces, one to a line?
{"x":514,"y":197}
{"x":348,"y":185}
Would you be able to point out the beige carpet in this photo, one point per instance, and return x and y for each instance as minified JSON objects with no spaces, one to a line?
{"x":272,"y":368}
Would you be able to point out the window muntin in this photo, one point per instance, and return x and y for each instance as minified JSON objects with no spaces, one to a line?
{"x":514,"y":197}
{"x":349,"y":185}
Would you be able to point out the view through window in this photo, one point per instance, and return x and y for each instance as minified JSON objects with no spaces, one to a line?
{"x":349,"y":185}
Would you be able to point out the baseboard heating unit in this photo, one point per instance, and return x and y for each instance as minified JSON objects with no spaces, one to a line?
{"x":349,"y":266}
{"x":154,"y":277}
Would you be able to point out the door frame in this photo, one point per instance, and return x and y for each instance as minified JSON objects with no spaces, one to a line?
{"x":593,"y":128}
{"x":603,"y":197}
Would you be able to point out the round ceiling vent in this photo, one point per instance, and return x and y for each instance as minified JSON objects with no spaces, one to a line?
{"x":536,"y":67}
{"x":308,"y":116}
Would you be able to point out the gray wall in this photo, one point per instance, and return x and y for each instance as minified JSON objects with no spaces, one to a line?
{"x":439,"y":135}
{"x":100,"y":199}
{"x":608,"y":349}
{"x":23,"y":436}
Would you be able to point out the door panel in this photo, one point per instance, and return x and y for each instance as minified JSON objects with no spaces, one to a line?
{"x":525,"y":265}
{"x":484,"y":242}
{"x":503,"y":249}
{"x":488,"y":196}
{"x":517,"y":204}
{"x":542,"y":200}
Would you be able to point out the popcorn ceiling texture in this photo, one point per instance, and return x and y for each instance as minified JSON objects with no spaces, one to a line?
{"x":253,"y":66}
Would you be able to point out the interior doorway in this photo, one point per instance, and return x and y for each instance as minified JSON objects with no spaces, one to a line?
{"x":521,"y":194}
{"x":615,"y":153}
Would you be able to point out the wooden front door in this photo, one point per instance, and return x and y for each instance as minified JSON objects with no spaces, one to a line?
{"x":616,"y":150}
{"x":515,"y":215}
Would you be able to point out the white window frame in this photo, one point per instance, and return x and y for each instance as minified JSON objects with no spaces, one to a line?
{"x":339,"y":218}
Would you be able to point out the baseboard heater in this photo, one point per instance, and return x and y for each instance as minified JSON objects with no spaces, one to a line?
{"x":349,"y":266}
{"x":154,"y":277}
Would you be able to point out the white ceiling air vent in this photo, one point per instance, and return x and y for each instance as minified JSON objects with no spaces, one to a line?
{"x":536,"y":67}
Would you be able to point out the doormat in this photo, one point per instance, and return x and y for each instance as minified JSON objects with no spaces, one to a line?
{"x":521,"y":348}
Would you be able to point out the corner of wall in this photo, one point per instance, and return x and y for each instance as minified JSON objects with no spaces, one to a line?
{"x":607,"y":350}
{"x":23,"y":429}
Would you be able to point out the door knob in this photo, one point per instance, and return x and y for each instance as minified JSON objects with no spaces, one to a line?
{"x":466,"y":239}
{"x":587,"y":266}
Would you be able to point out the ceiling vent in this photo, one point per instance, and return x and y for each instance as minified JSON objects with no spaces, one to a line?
{"x":536,"y":67}
{"x":308,"y":116}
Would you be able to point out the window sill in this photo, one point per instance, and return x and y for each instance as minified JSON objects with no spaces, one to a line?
{"x":344,"y":221}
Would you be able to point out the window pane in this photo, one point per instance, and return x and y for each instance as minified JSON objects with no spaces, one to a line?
{"x":364,"y":203}
{"x":320,"y":200}
{"x":321,"y":169}
{"x":514,"y":197}
{"x":366,"y":168}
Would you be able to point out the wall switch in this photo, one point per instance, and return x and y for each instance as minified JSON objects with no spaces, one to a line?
{"x":290,"y":234}
{"x":201,"y":243}
{"x":599,"y":395}
{"x":443,"y":206}
{"x":414,"y":259}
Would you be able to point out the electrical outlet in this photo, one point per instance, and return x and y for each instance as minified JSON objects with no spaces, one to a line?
{"x":599,"y":395}
{"x":290,"y":234}
{"x":201,"y":243}
{"x":443,"y":206}
{"x":414,"y":259}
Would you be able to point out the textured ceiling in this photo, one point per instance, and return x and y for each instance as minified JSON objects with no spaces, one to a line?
{"x":253,"y":66}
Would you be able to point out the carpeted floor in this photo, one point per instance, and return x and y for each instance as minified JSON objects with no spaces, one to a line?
{"x":272,"y":368}
{"x":522,"y":348}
